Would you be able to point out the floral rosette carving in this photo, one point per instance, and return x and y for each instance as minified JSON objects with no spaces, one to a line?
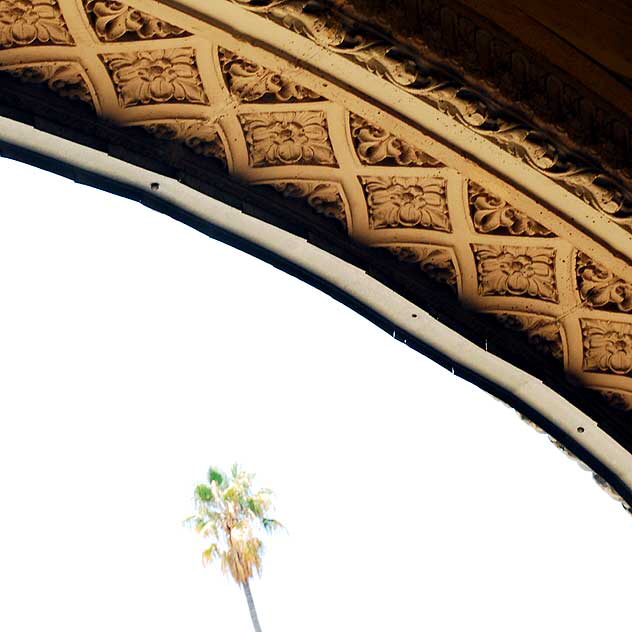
{"x":201,"y":137}
{"x":599,"y":287}
{"x":434,"y":261}
{"x":429,"y":82}
{"x":516,"y":271}
{"x":607,"y":346}
{"x":376,"y":146}
{"x":543,"y":333}
{"x":249,"y":81}
{"x":156,"y":76}
{"x":65,"y":79}
{"x":114,"y":21}
{"x":25,"y":22}
{"x":323,"y":197}
{"x":396,"y":202}
{"x":491,"y":214}
{"x":286,"y":138}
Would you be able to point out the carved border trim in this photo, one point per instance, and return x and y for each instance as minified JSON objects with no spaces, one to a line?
{"x":444,"y":90}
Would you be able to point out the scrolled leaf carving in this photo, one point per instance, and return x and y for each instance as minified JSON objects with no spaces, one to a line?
{"x":25,"y":22}
{"x":542,"y":332}
{"x":323,"y":197}
{"x":375,"y":146}
{"x":114,"y":21}
{"x":66,"y":79}
{"x":434,"y":261}
{"x":250,"y":82}
{"x":201,"y":137}
{"x":443,"y":90}
{"x":600,"y":288}
{"x":491,"y":214}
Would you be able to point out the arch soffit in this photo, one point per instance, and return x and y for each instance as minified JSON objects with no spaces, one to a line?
{"x":395,"y":154}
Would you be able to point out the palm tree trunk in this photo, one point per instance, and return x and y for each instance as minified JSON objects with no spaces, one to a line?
{"x":251,"y":606}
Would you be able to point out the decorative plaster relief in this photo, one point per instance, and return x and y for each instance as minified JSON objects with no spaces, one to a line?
{"x":468,"y":105}
{"x":323,"y":197}
{"x":491,"y":214}
{"x":397,"y":202}
{"x":201,"y":137}
{"x":156,"y":76}
{"x":607,"y":346}
{"x":115,"y":21}
{"x":599,"y":287}
{"x":286,"y":138}
{"x":516,"y":271}
{"x":67,"y":79}
{"x":26,"y":22}
{"x":374,"y":146}
{"x":250,"y":82}
{"x":544,"y":333}
{"x":434,"y":261}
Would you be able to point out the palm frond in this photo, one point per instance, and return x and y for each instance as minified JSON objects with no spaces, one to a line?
{"x":214,"y":475}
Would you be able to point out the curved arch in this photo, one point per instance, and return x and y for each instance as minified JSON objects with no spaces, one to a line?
{"x":378,"y":175}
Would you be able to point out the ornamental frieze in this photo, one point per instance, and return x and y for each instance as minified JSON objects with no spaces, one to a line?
{"x":336,"y":32}
{"x":384,"y":180}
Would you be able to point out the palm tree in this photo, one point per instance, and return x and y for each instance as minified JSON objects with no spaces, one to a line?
{"x":232,"y":515}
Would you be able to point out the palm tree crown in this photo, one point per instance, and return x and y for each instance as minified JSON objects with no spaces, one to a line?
{"x":232,"y":515}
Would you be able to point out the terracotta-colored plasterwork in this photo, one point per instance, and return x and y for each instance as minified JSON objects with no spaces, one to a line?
{"x":273,"y":122}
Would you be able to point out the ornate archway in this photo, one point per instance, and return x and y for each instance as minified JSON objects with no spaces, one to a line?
{"x":425,"y":167}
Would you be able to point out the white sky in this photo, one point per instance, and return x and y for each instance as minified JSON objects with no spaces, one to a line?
{"x":136,"y":352}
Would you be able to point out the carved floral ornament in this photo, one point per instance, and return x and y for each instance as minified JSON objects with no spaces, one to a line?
{"x":607,"y":346}
{"x":156,"y":76}
{"x":516,"y":271}
{"x":384,"y":190}
{"x":334,"y":31}
{"x":399,"y":202}
{"x":285,"y":138}
{"x":25,"y":22}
